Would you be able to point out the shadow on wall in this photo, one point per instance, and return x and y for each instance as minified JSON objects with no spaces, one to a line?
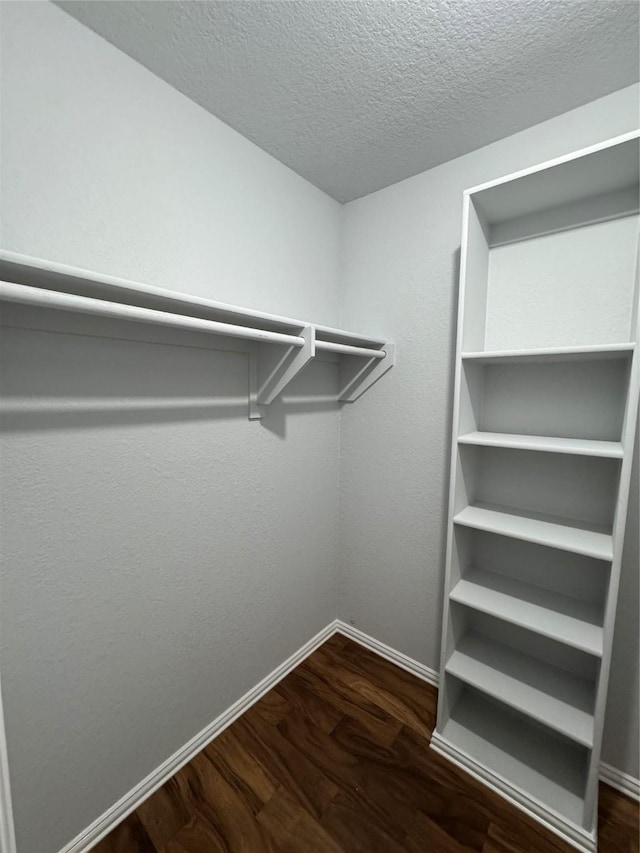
{"x":68,"y":381}
{"x":451,"y":362}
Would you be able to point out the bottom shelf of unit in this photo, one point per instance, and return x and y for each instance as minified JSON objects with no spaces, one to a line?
{"x":540,"y":771}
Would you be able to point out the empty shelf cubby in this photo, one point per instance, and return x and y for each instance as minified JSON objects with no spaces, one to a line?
{"x":581,"y":400}
{"x":558,"y":594}
{"x":548,"y":681}
{"x":574,"y":496}
{"x":520,"y":753}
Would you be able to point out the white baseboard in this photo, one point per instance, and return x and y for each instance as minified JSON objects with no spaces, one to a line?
{"x":7,"y":833}
{"x":622,"y":782}
{"x":574,"y":835}
{"x":101,"y":827}
{"x":420,"y":670}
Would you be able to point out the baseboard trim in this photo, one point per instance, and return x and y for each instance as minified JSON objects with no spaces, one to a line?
{"x":574,"y":835}
{"x":101,"y":827}
{"x":7,"y":833}
{"x":108,"y":821}
{"x":622,"y":782}
{"x":420,"y":670}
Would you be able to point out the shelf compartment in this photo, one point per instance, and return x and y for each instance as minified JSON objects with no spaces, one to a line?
{"x":566,"y":405}
{"x":545,"y":494}
{"x":546,"y":766}
{"x":572,"y":621}
{"x":548,"y":444}
{"x":551,"y":531}
{"x":549,"y":695}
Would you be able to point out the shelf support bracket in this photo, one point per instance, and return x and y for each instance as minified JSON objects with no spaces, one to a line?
{"x":276,"y":370}
{"x":254,"y":409}
{"x":356,"y":378}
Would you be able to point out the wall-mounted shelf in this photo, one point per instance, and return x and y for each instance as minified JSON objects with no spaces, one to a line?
{"x":536,"y":688}
{"x":550,"y":531}
{"x":585,"y":353}
{"x":513,"y":754}
{"x":572,"y":621}
{"x":545,"y":405}
{"x":544,"y":443}
{"x":278,"y":347}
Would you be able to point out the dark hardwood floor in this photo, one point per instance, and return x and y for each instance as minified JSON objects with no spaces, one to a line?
{"x":335,"y":759}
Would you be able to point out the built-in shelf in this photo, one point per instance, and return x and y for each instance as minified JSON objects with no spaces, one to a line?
{"x":586,"y":353}
{"x":568,"y":620}
{"x":543,"y":765}
{"x":548,"y":444}
{"x":538,"y":528}
{"x":544,"y":416}
{"x":543,"y":692}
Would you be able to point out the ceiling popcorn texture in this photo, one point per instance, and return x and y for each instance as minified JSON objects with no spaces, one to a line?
{"x":355,"y":96}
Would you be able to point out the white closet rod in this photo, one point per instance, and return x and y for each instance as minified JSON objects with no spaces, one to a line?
{"x":27,"y":295}
{"x":350,"y":350}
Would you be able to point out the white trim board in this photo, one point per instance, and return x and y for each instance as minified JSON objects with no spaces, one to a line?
{"x":554,"y":822}
{"x":420,"y":670}
{"x":622,"y":782}
{"x":101,"y":827}
{"x":7,"y":832}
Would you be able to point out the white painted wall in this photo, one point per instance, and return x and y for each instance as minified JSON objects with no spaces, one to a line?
{"x":161,"y":553}
{"x":587,"y":274}
{"x":401,"y":254}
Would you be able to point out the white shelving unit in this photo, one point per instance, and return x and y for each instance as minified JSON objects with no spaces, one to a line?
{"x":278,"y":347}
{"x":545,"y":407}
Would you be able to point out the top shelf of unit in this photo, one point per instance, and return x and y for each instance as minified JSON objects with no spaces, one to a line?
{"x":586,"y":353}
{"x":599,"y":171}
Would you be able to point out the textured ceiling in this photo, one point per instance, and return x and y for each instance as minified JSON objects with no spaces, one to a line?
{"x":357,"y":95}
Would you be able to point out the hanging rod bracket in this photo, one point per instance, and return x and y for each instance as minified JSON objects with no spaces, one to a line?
{"x":357,"y":377}
{"x":278,"y":369}
{"x":255,"y":413}
{"x":276,"y":354}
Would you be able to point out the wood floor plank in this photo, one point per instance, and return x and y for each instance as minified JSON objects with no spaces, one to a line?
{"x":129,"y":835}
{"x":224,"y":808}
{"x":425,"y":834}
{"x":336,"y":759}
{"x":291,"y":768}
{"x":418,"y":696}
{"x":273,"y":707}
{"x":293,"y":829}
{"x":404,"y":787}
{"x":165,"y":813}
{"x":371,"y":693}
{"x":318,"y":677}
{"x":514,"y":836}
{"x":348,"y":820}
{"x":231,"y":756}
{"x":335,"y":642}
{"x":410,"y":788}
{"x":617,"y":810}
{"x":196,"y":837}
{"x":372,"y":787}
{"x":304,"y":701}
